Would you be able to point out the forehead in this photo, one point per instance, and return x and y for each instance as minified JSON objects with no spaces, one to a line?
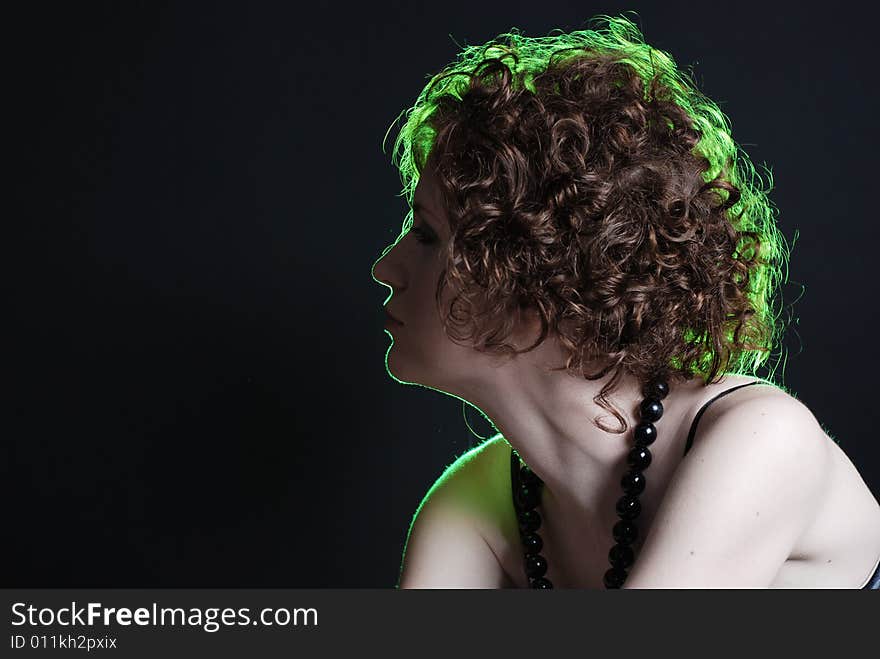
{"x":427,"y":192}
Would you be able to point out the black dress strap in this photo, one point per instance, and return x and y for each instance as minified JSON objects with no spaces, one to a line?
{"x":690,"y":438}
{"x":874,"y":581}
{"x":514,"y":472}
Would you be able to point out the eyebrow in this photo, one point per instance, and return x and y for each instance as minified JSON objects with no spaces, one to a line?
{"x":422,"y":211}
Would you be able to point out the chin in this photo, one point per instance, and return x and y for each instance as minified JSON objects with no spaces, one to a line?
{"x":403,"y":370}
{"x":393,"y":366}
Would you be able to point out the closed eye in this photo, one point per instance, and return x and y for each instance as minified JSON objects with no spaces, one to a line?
{"x":422,"y":236}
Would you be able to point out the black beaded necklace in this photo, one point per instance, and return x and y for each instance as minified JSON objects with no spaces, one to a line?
{"x":528,"y":487}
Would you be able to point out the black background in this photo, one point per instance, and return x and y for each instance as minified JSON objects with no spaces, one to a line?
{"x":196,"y":393}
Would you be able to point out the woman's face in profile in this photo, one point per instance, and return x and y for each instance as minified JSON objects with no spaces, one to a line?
{"x":421,"y":351}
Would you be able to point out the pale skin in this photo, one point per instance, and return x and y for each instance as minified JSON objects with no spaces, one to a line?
{"x":742,"y":505}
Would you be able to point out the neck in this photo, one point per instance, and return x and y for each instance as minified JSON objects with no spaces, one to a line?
{"x":548,"y":418}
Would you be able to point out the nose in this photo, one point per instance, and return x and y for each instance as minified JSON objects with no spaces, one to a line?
{"x":382,"y":272}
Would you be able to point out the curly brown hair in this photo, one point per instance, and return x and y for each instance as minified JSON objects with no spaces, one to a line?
{"x":586,"y":178}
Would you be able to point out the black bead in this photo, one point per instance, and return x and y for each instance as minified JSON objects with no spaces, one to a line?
{"x":633,"y":482}
{"x":625,"y":532}
{"x":536,"y":565}
{"x":529,"y":520}
{"x":614,"y":578}
{"x":529,"y":477}
{"x":541,"y":582}
{"x":529,"y":496}
{"x":645,"y":433}
{"x":651,"y":409}
{"x":628,"y":507}
{"x":621,"y":556}
{"x":639,"y":458}
{"x":532,"y":543}
{"x":656,"y":389}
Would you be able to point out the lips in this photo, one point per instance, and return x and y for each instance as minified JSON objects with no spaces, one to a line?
{"x":388,"y":314}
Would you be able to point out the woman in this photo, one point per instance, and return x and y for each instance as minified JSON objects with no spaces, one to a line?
{"x":585,"y":235}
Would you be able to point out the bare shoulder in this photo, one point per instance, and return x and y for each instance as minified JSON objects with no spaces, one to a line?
{"x":484,"y":481}
{"x":469,"y":479}
{"x":766,"y":403}
{"x":766,"y":437}
{"x":446,"y":545}
{"x":767,"y":418}
{"x":769,"y":430}
{"x":480,"y":479}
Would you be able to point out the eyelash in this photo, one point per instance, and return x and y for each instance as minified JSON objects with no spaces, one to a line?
{"x":422,"y":236}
